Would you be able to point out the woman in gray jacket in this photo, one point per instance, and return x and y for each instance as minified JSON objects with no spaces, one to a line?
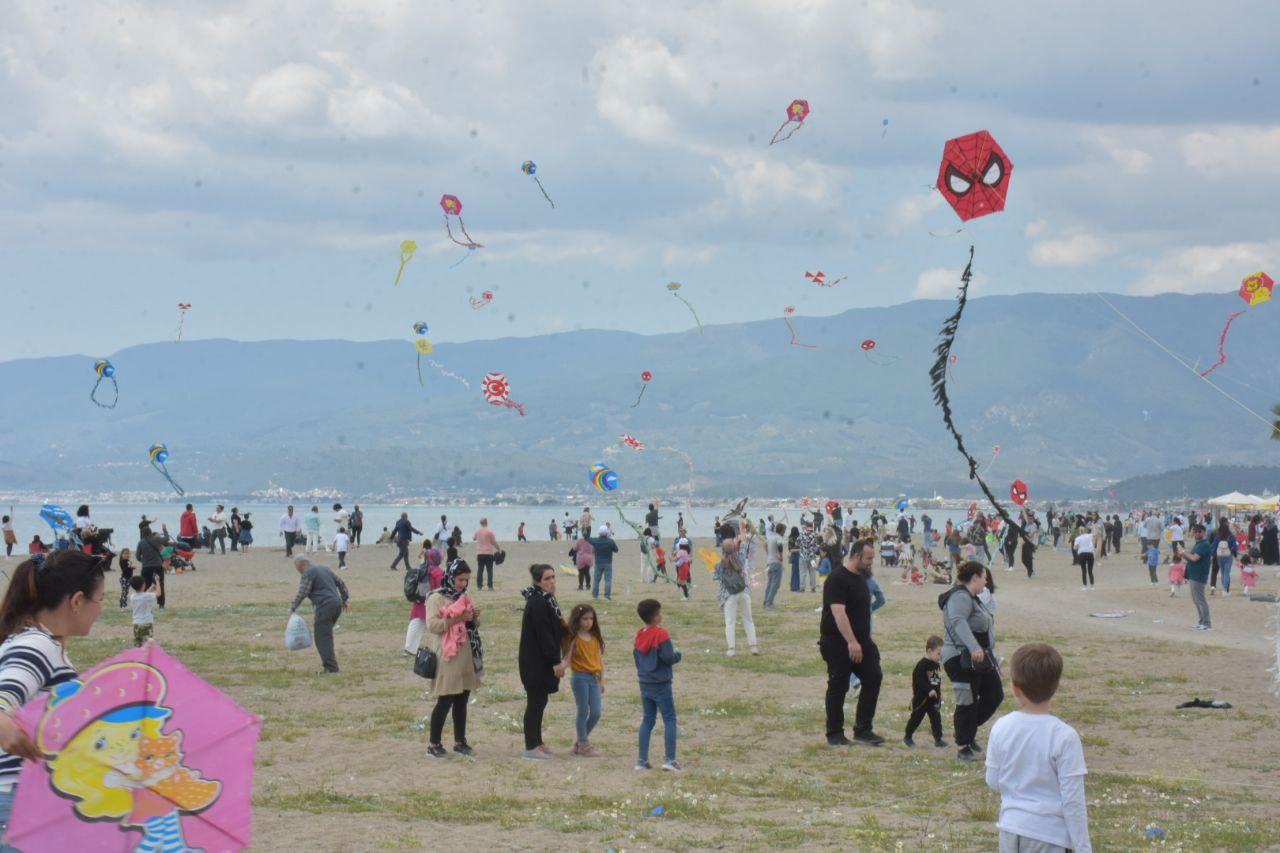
{"x":968,"y":657}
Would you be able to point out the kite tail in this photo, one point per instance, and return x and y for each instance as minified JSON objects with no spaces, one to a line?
{"x":470,"y":244}
{"x":512,"y":404}
{"x":440,"y":367}
{"x":938,"y":378}
{"x":456,"y":264}
{"x":400,"y":272}
{"x":795,"y":342}
{"x":646,"y":552}
{"x":93,"y":395}
{"x":777,"y":138}
{"x":691,"y":310}
{"x":420,"y":382}
{"x":164,"y":472}
{"x":643,"y":386}
{"x":544,"y":193}
{"x":1222,"y":339}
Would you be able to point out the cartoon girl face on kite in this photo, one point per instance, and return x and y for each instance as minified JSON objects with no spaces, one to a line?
{"x":108,"y":753}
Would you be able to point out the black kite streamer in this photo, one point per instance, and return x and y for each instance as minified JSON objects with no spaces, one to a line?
{"x":938,"y":377}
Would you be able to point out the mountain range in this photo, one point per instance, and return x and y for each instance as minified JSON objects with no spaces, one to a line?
{"x":1074,"y":396}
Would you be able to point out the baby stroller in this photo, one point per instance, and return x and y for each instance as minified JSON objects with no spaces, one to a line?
{"x":181,"y":558}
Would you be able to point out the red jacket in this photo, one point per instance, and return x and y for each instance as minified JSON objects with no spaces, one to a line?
{"x":188,"y":526}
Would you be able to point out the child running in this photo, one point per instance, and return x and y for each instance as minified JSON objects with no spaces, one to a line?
{"x":1036,"y":762}
{"x":1248,"y":574}
{"x":1153,"y":563}
{"x":586,"y":659}
{"x":926,"y":696}
{"x":684,"y":562}
{"x":655,"y":655}
{"x":143,"y":602}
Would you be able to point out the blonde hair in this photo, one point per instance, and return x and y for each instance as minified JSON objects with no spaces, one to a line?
{"x":77,"y":772}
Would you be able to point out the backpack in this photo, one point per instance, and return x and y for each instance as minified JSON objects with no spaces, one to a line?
{"x":412,"y":580}
{"x":1224,"y":549}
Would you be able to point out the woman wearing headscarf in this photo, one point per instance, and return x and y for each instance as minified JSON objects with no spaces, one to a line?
{"x":453,"y":633}
{"x":541,"y":655}
{"x":968,"y":656}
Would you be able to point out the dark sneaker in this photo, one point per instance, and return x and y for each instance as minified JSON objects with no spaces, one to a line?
{"x":939,"y":742}
{"x":976,"y":747}
{"x":867,"y":738}
{"x":908,"y":741}
{"x":463,"y":749}
{"x":838,"y":740}
{"x":966,"y":753}
{"x":437,"y":750}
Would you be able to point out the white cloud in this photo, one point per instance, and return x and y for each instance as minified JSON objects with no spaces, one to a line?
{"x":908,"y":211}
{"x":757,"y":182}
{"x":941,"y":283}
{"x":897,"y":37}
{"x":1036,"y":228}
{"x":641,"y":78}
{"x":287,"y":94}
{"x":1200,"y":269}
{"x":1244,"y":151}
{"x":1075,"y":250}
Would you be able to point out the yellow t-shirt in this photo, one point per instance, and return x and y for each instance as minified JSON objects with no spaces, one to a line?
{"x":587,"y":656}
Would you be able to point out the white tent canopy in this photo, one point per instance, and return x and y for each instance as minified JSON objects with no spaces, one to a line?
{"x":1235,"y":499}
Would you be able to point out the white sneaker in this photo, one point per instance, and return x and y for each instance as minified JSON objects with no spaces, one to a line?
{"x":1084,"y":589}
{"x":730,"y":653}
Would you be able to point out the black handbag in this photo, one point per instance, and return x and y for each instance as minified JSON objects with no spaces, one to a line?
{"x":500,"y":557}
{"x":425,"y":663}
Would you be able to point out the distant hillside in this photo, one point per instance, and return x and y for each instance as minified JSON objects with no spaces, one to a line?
{"x":1200,"y":481}
{"x":1074,"y":397}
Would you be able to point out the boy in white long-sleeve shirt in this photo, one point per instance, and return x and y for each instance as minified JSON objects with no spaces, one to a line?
{"x":1036,"y":762}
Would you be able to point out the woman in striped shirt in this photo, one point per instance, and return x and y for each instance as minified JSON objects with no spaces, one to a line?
{"x":48,"y":600}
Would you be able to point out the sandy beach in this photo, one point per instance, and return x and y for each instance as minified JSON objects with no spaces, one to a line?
{"x":342,"y":763}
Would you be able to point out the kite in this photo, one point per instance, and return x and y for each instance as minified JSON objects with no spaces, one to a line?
{"x":182,"y":316}
{"x":485,"y":299}
{"x":604,"y":478}
{"x":105,"y":370}
{"x":497,"y":392}
{"x":786,"y":318}
{"x":1255,"y":290}
{"x":452,"y":206}
{"x":974,"y":175}
{"x":938,"y":379}
{"x":902,"y":503}
{"x":424,"y":347}
{"x":647,"y":552}
{"x":995,"y":451}
{"x":530,"y":168}
{"x":972,"y":511}
{"x":631,"y":441}
{"x":407,"y":248}
{"x":710,"y":557}
{"x":449,"y":373}
{"x":420,"y":328}
{"x":880,"y":359}
{"x":1018,"y":492}
{"x":645,"y":378}
{"x":674,"y":287}
{"x":797,"y":112}
{"x":951,"y":359}
{"x":884,"y":123}
{"x":158,"y":453}
{"x":820,"y":278}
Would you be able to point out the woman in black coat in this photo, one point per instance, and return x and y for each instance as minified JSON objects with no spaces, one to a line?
{"x":541,"y":655}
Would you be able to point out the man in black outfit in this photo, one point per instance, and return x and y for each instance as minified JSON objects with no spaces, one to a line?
{"x":846,"y":645}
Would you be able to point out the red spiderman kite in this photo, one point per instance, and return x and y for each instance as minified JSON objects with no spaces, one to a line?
{"x":974,"y":175}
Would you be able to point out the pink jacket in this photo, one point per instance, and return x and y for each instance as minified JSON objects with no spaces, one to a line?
{"x":584,"y":554}
{"x":456,"y":636}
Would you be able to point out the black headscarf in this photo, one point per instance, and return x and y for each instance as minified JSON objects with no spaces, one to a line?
{"x":448,"y":589}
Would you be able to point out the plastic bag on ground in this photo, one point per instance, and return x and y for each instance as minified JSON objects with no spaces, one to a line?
{"x":296,"y":634}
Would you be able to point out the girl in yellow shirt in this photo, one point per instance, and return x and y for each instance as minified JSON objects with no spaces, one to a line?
{"x":586,"y":660}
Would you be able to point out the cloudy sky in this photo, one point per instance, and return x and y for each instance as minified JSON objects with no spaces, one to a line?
{"x":263,"y":162}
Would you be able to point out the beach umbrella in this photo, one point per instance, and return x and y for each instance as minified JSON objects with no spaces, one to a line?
{"x":140,"y":753}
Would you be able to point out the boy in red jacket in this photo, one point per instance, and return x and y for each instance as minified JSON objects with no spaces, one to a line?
{"x":655,"y":655}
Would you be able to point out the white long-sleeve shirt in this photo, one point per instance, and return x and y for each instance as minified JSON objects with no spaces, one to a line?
{"x":290,"y":523}
{"x":1036,"y":762}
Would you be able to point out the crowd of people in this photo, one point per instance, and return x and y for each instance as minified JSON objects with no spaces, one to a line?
{"x":55,"y":595}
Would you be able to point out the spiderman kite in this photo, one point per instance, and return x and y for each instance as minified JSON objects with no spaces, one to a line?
{"x":974,"y":175}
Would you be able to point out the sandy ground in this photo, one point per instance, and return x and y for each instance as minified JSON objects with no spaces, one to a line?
{"x":341,"y":765}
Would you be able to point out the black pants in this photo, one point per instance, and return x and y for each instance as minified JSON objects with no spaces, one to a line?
{"x":403,"y":555}
{"x":355,"y":536}
{"x":839,"y":668}
{"x":535,"y":705}
{"x":154,"y":575}
{"x":1086,"y":569}
{"x":457,"y":703}
{"x":234,"y":535}
{"x":483,"y":560}
{"x":584,"y":578}
{"x":978,"y":695}
{"x":1213,"y":570}
{"x":221,"y":536}
{"x":124,"y":588}
{"x":930,"y":707}
{"x":290,"y":539}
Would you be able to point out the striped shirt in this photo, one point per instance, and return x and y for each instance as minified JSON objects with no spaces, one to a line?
{"x":31,"y":661}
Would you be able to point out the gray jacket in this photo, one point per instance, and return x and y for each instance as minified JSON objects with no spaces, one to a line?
{"x":961,"y":617}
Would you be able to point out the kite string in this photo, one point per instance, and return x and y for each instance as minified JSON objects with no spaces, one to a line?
{"x":1175,"y":357}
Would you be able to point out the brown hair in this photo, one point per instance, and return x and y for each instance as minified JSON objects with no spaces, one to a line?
{"x":575,"y":616}
{"x":1036,"y":669}
{"x":934,"y":642}
{"x":967,"y":570}
{"x":43,"y":583}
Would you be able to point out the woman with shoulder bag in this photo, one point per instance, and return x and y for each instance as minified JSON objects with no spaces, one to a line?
{"x":968,"y":657}
{"x":453,"y":636}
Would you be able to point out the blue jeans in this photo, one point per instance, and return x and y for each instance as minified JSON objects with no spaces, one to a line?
{"x":587,"y":694}
{"x":607,"y":573}
{"x":6,"y":810}
{"x":773,"y":580}
{"x":655,"y":698}
{"x":1224,"y":570}
{"x":795,"y":571}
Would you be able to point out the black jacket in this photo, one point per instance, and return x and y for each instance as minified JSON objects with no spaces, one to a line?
{"x":540,"y":634}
